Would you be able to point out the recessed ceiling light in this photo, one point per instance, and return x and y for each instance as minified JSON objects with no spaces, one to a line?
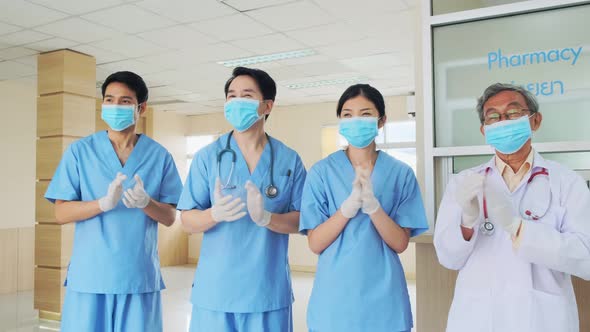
{"x":267,"y":58}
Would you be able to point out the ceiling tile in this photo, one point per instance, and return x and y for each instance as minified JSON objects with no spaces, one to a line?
{"x":267,"y":66}
{"x":23,"y":37}
{"x":320,"y":68}
{"x":166,"y":91}
{"x":77,"y":7}
{"x":51,"y":44}
{"x":245,"y":5}
{"x":15,"y":52}
{"x":410,"y":3}
{"x":391,"y":73}
{"x":129,"y":46}
{"x":326,"y":34}
{"x":388,"y":84}
{"x":212,"y":88}
{"x":217,"y":52}
{"x":309,"y":79}
{"x":175,"y":37}
{"x":12,"y":70}
{"x":330,"y":92}
{"x":129,"y":19}
{"x":29,"y":60}
{"x":136,"y":66}
{"x":304,"y":60}
{"x":207,"y":71}
{"x":388,"y":25}
{"x":162,"y":78}
{"x":26,"y":14}
{"x":102,"y":56}
{"x":296,"y":15}
{"x":102,"y":74}
{"x":273,"y":43}
{"x":365,"y":47}
{"x":284,"y":73}
{"x":186,"y":11}
{"x":232,"y":27}
{"x":367,"y":8}
{"x":8,"y":28}
{"x":286,"y":93}
{"x":78,"y":30}
{"x":376,"y":61}
{"x":396,"y":91}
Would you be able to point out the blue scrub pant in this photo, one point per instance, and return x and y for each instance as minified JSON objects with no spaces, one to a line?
{"x":203,"y":320}
{"x":111,"y":312}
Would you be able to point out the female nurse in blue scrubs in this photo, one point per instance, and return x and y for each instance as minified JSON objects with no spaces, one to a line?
{"x":360,"y":206}
{"x":116,"y":186}
{"x":243,"y":192}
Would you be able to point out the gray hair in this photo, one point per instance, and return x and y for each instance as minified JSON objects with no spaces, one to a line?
{"x":496,"y":88}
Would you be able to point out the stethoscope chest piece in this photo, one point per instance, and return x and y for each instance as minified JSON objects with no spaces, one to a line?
{"x":271,"y":191}
{"x":487,"y":228}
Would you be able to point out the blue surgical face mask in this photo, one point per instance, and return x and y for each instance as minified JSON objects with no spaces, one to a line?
{"x":508,"y":136}
{"x":118,"y":117}
{"x":359,"y":131}
{"x":242,"y":113}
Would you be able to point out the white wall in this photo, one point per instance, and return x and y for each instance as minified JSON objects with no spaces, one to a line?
{"x":299,"y":127}
{"x":18,"y":134}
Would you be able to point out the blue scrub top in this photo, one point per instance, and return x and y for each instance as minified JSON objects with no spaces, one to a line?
{"x":242,"y":267}
{"x":115,"y":252}
{"x":360,"y":283}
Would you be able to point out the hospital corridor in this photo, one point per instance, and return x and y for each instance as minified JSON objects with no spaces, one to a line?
{"x":17,"y":314}
{"x":295,"y":166}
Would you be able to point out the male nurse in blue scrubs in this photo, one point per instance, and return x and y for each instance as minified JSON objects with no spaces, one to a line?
{"x":116,"y":186}
{"x":244,"y":193}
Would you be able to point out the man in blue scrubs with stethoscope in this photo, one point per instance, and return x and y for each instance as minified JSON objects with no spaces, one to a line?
{"x":517,"y":228}
{"x":243,"y":192}
{"x":116,"y":186}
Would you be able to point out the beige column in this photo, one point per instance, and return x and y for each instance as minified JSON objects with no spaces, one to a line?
{"x":65,"y":112}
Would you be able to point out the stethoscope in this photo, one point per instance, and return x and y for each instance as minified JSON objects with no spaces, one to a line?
{"x":488,"y":228}
{"x":271,"y":191}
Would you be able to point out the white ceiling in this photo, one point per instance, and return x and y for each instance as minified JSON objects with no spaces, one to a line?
{"x":176,"y":44}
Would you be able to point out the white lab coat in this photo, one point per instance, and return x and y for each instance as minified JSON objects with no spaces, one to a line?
{"x":527,"y":289}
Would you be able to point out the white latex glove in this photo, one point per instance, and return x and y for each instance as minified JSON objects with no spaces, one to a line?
{"x":136,"y":197}
{"x":255,"y":203}
{"x":466,"y":197}
{"x":114,"y":193}
{"x":225,"y":208}
{"x":500,"y":211}
{"x":353,"y":203}
{"x":370,"y":202}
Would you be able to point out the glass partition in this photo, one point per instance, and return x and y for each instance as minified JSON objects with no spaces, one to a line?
{"x":546,"y":52}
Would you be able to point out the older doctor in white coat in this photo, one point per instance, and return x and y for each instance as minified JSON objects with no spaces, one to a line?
{"x":517,"y":228}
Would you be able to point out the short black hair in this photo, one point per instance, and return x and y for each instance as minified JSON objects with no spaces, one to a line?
{"x":265,"y":83}
{"x":366,"y":91}
{"x":131,"y":80}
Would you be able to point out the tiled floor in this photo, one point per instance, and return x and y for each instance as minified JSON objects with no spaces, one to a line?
{"x":17,"y":314}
